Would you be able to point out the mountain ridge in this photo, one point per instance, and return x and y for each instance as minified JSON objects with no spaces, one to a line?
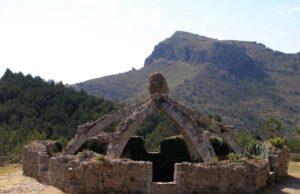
{"x":242,"y":81}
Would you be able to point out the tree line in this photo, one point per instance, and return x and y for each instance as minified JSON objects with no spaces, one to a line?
{"x":32,"y":108}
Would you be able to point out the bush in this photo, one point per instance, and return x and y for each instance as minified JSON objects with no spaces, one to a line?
{"x":96,"y":145}
{"x":294,"y":144}
{"x":100,"y":157}
{"x":214,"y":160}
{"x":272,"y":126}
{"x":245,"y":139}
{"x":83,"y":154}
{"x":258,"y":150}
{"x":232,"y":157}
{"x":297,"y":130}
{"x":277,"y":142}
{"x":63,"y":141}
{"x":216,"y":117}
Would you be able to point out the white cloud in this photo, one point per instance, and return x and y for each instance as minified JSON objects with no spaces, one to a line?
{"x":287,"y":11}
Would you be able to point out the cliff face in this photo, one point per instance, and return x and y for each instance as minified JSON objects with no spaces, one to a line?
{"x":193,"y":49}
{"x":242,"y":81}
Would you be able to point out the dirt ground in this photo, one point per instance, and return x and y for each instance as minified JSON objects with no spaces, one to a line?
{"x":289,"y":185}
{"x":13,"y":182}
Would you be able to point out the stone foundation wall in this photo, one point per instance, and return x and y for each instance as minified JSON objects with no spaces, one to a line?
{"x":163,"y":188}
{"x":84,"y":173}
{"x":279,"y":161}
{"x":92,"y":176}
{"x":30,"y":159}
{"x":35,"y":158}
{"x":223,"y":177}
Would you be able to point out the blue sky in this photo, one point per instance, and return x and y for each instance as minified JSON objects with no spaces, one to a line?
{"x":76,"y":40}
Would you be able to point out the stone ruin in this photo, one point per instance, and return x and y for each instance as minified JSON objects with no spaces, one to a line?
{"x":85,"y":172}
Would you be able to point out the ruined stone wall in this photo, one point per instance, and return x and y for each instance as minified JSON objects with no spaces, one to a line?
{"x":223,"y":177}
{"x":93,"y":176}
{"x":84,"y":173}
{"x":30,"y":159}
{"x":36,"y":156}
{"x":279,"y":162}
{"x":163,"y":188}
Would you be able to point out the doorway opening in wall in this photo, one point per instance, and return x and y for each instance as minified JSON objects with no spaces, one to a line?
{"x":158,"y":140}
{"x":172,"y":150}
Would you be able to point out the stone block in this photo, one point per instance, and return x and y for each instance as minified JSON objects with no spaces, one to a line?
{"x":279,"y":161}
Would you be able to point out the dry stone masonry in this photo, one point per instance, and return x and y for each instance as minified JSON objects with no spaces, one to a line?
{"x":87,"y":172}
{"x":224,"y":177}
{"x":195,"y":131}
{"x":279,"y":162}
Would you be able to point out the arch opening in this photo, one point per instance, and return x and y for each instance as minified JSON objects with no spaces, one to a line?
{"x":159,"y":141}
{"x":172,"y":150}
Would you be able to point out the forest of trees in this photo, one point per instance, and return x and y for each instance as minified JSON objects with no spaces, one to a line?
{"x":32,"y":108}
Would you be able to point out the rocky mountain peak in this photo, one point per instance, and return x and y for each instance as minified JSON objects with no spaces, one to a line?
{"x":185,"y":47}
{"x":188,"y":35}
{"x":243,"y":81}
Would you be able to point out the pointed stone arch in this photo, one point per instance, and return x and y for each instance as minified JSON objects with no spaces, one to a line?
{"x":88,"y":130}
{"x":195,"y":127}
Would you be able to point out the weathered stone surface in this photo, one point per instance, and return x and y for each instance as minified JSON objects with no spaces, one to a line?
{"x":83,"y":173}
{"x":53,"y":147}
{"x":30,"y":158}
{"x":125,"y":130}
{"x":163,"y":188}
{"x":88,"y":130}
{"x":157,"y":85}
{"x":279,"y":161}
{"x":35,"y":158}
{"x":196,"y":139}
{"x":88,"y":175}
{"x":223,"y":177}
{"x":203,"y":122}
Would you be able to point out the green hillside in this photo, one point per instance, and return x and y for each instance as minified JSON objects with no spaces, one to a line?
{"x":31,"y":108}
{"x":243,"y":82}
